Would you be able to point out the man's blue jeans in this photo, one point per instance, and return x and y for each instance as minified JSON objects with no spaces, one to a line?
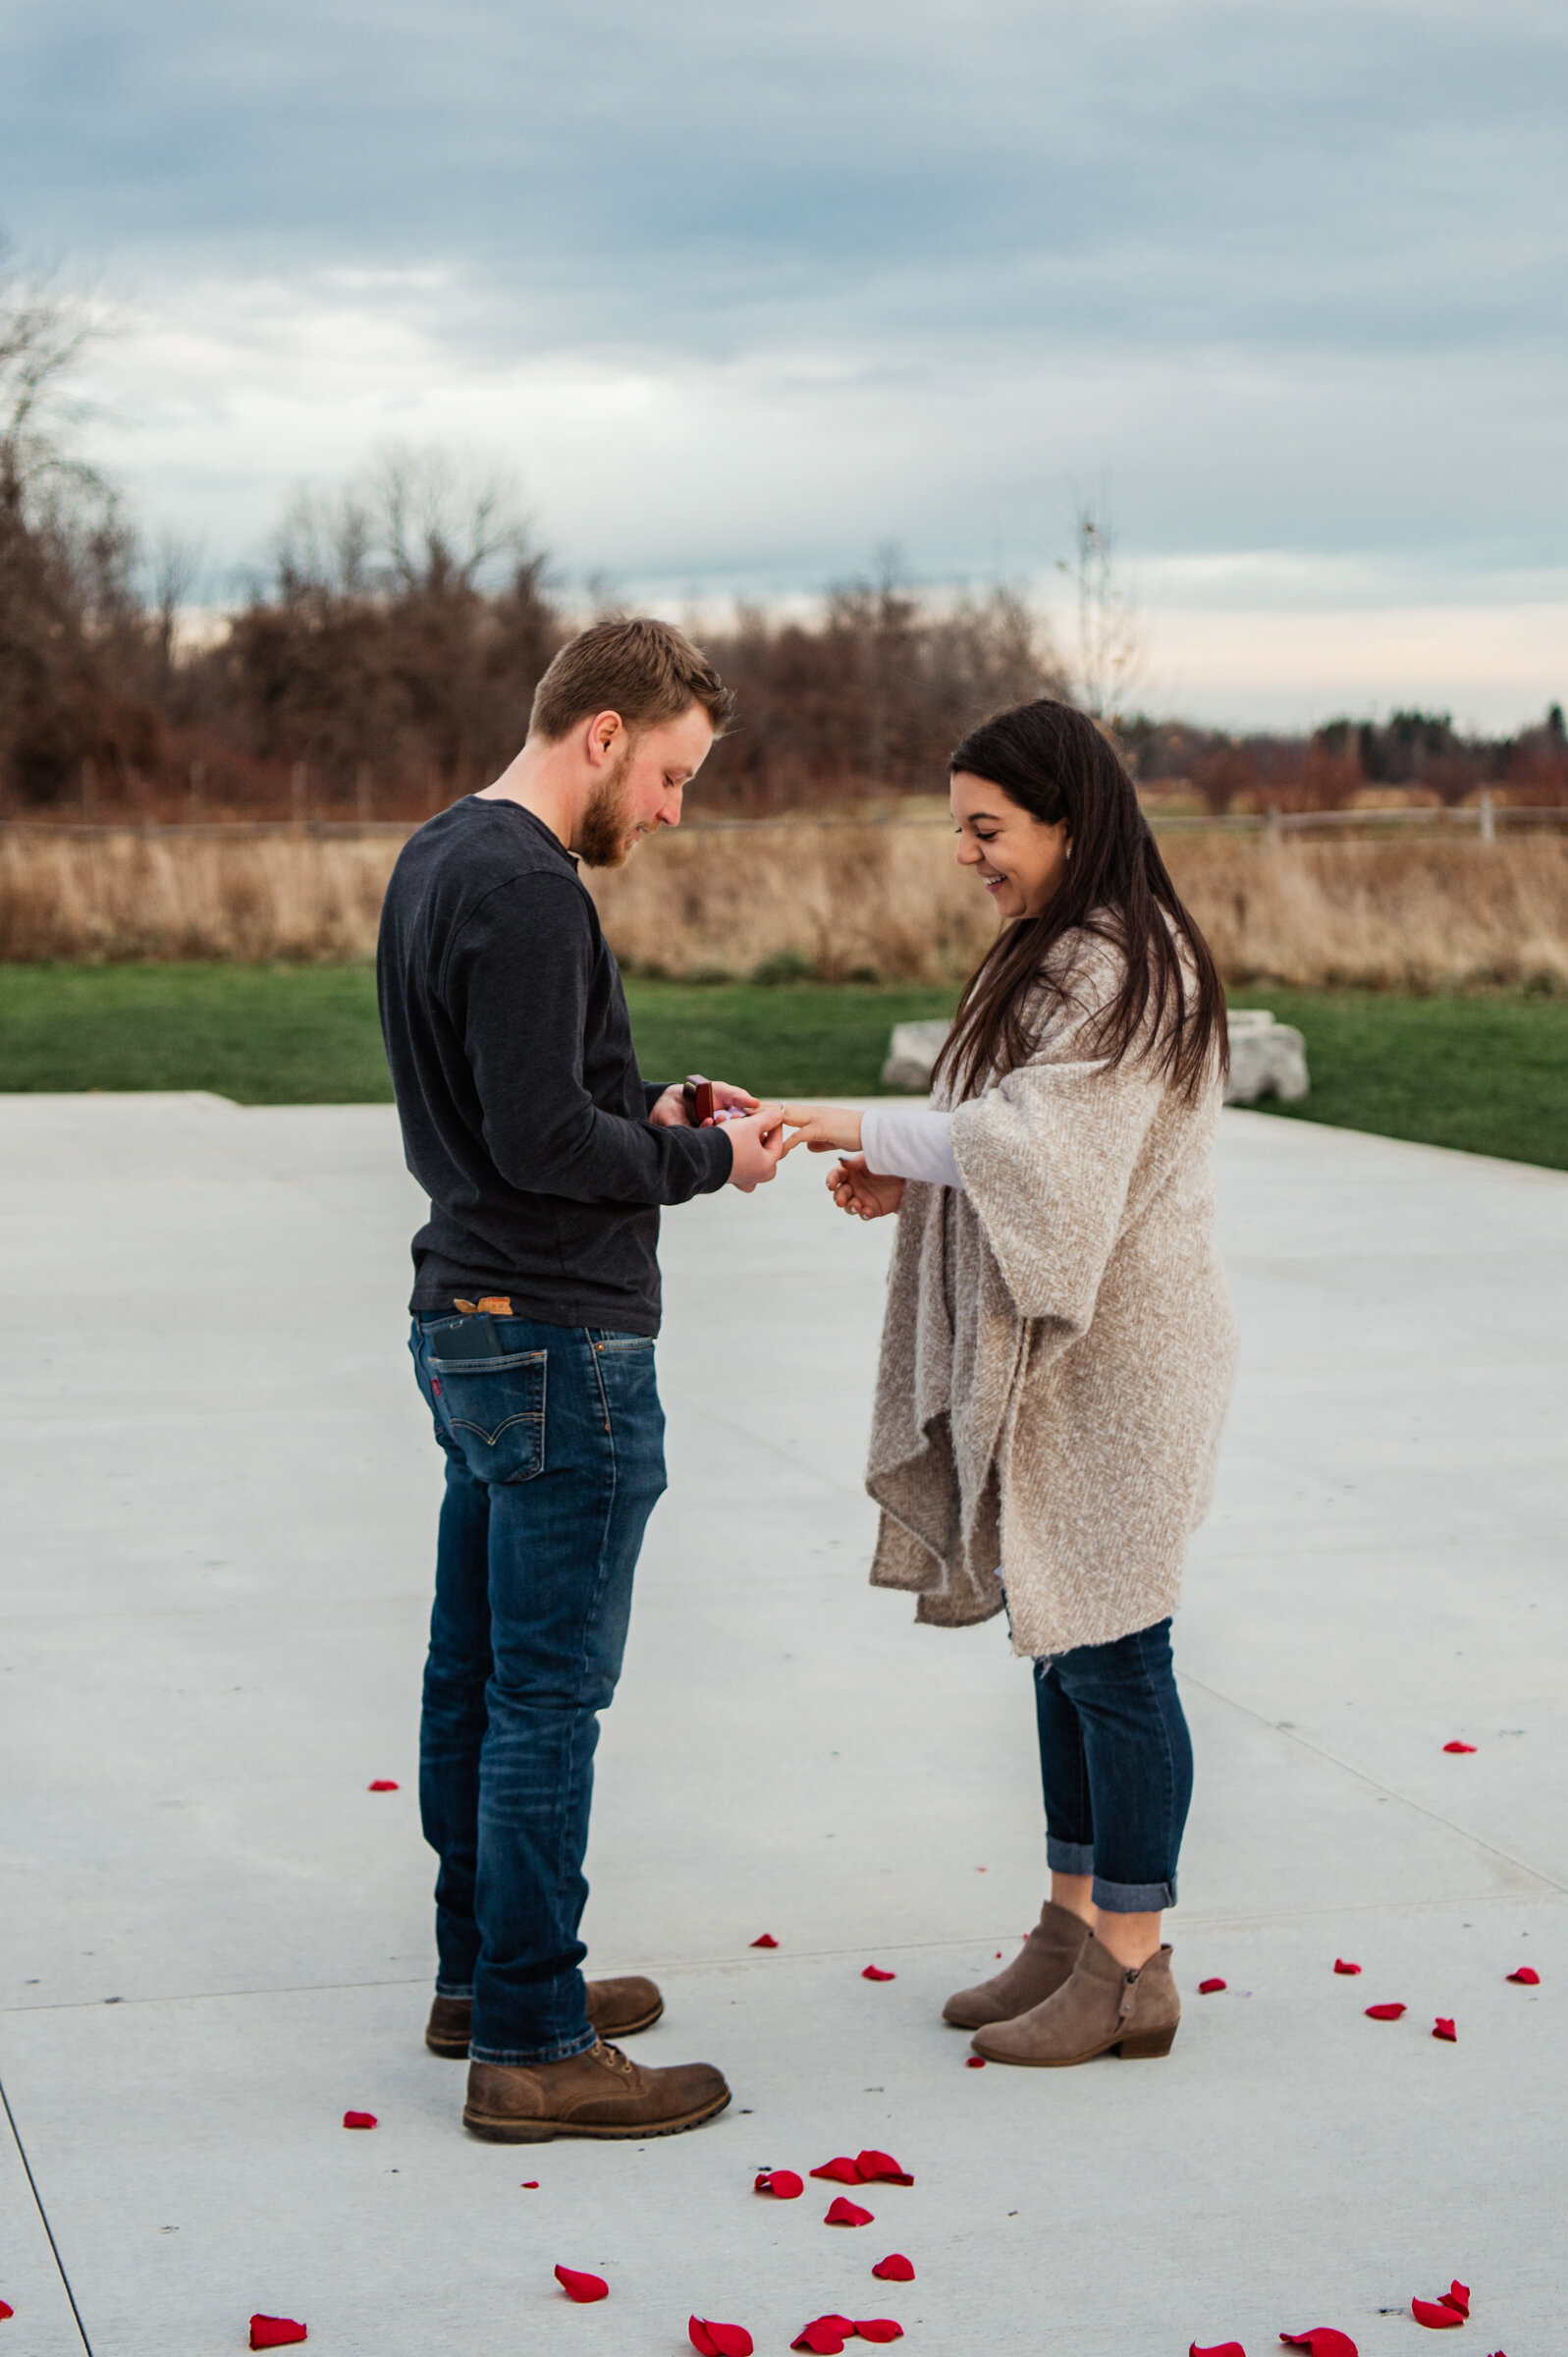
{"x":555,"y":1460}
{"x":1115,"y":1760}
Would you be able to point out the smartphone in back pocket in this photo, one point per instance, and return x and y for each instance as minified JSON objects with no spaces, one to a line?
{"x":471,"y":1337}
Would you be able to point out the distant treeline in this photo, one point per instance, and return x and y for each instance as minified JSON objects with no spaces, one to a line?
{"x":385,"y":660}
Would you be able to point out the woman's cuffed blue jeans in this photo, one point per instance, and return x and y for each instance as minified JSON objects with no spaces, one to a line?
{"x":555,"y":1460}
{"x":1115,"y":1760}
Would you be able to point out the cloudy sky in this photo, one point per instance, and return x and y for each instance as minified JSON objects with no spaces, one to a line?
{"x":745,"y":295}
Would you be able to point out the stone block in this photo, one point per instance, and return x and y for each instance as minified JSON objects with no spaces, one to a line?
{"x":1267,"y":1058}
{"x":911,"y":1052}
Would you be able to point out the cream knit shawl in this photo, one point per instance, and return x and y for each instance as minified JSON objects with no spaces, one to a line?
{"x":1059,"y":1346}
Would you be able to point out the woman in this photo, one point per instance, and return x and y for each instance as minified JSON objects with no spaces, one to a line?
{"x":1059,"y":1346}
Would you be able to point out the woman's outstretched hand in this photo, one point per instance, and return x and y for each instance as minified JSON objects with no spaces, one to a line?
{"x":823,"y":1128}
{"x":863,"y":1194}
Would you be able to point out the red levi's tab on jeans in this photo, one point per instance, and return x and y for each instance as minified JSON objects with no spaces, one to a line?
{"x":276,"y":2332}
{"x":582,"y":2288}
{"x":1385,"y":2012}
{"x":894,"y":2269}
{"x":712,"y":2340}
{"x":880,"y":2168}
{"x":842,"y":2171}
{"x":1324,"y":2341}
{"x":847,"y":2214}
{"x":1527,"y":1974}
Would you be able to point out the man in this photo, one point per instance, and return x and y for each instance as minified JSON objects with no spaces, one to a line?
{"x":535,"y":1306}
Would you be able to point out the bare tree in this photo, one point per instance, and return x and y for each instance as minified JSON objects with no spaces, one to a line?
{"x":43,"y":335}
{"x":1112,"y":634}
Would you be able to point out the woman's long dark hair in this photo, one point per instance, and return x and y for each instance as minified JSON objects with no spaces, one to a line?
{"x":1051,"y":760}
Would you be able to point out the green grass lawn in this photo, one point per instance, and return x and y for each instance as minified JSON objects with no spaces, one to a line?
{"x":1487,"y":1074}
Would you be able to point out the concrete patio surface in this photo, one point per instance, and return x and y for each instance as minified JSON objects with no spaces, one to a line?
{"x":220,"y":1499}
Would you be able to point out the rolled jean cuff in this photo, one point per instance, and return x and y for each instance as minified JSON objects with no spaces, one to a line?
{"x":463,"y":1993}
{"x":514,"y":2058}
{"x":1132,"y":1898}
{"x":1069,"y":1857}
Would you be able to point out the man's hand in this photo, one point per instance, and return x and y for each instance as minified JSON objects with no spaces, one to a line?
{"x":670,"y":1107}
{"x":823,"y":1128}
{"x":864,"y":1194}
{"x":756,"y":1143}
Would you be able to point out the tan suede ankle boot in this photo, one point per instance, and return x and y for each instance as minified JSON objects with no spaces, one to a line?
{"x":1036,"y":1971}
{"x":1101,"y":2006}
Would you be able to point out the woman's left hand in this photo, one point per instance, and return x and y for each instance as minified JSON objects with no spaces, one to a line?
{"x":823,"y":1128}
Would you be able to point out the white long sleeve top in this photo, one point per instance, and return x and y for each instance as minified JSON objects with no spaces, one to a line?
{"x":909,"y":1141}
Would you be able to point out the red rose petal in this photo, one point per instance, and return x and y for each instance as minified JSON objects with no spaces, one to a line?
{"x":880,"y":2168}
{"x":1459,"y":1747}
{"x":1324,"y":2341}
{"x":975,"y":2062}
{"x":276,"y":2332}
{"x":359,"y":2120}
{"x":1342,"y":1964}
{"x":782,"y":2184}
{"x":1221,"y":2348}
{"x":6,"y":2310}
{"x":825,"y":2336}
{"x":713,"y":2340}
{"x":847,"y":2214}
{"x":894,"y":2269}
{"x":1385,"y":2012}
{"x":382,"y":1783}
{"x":1457,"y":2296}
{"x":1445,"y":2029}
{"x":1527,"y":1974}
{"x":1436,"y":2315}
{"x":842,"y":2171}
{"x":530,"y":2185}
{"x":1209,"y":1987}
{"x":881,"y":2328}
{"x":582,"y":2288}
{"x":767,"y":1941}
{"x":874,"y":1972}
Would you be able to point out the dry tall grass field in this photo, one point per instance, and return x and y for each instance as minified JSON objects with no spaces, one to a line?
{"x":842,"y":901}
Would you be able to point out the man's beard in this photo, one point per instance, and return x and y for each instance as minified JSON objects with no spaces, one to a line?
{"x":605,"y":835}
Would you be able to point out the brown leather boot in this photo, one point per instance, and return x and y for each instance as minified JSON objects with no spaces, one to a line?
{"x":1102,"y":2005}
{"x":1042,"y":1964}
{"x":597,"y":2093}
{"x":615,"y":2009}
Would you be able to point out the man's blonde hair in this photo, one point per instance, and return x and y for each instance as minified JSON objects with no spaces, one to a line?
{"x":646,"y":670}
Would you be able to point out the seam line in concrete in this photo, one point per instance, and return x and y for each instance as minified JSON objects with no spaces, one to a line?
{"x":802,"y":1464}
{"x":43,"y":2214}
{"x":1389,"y":1791}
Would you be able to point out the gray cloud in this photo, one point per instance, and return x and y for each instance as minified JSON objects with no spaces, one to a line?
{"x":1294,"y":272}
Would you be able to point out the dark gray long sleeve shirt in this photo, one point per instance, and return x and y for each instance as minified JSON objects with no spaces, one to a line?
{"x":524,"y":1117}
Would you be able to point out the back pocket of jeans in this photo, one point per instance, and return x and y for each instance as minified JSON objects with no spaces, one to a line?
{"x":494,"y":1409}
